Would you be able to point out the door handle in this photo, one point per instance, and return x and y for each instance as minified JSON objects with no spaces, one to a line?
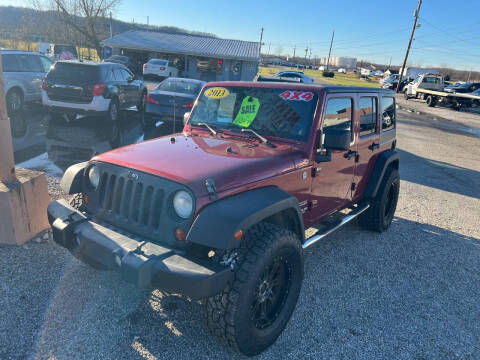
{"x":350,"y":154}
{"x":374,"y":146}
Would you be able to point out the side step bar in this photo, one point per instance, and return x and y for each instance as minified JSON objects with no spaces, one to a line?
{"x":329,"y":230}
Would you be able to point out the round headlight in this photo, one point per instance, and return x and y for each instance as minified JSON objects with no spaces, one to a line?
{"x":183,"y":204}
{"x":94,"y":176}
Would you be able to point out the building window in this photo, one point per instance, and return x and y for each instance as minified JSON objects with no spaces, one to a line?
{"x":210,"y":65}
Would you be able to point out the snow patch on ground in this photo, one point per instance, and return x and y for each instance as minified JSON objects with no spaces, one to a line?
{"x":42,"y":163}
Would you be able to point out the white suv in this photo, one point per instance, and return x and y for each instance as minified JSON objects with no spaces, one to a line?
{"x":159,"y":68}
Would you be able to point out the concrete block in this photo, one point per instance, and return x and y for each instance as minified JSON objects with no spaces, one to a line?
{"x":23,"y":207}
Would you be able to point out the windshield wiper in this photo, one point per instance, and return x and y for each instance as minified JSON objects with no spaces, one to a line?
{"x":208,"y":127}
{"x":262,"y":139}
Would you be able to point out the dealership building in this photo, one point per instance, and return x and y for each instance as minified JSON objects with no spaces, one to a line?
{"x":196,"y":57}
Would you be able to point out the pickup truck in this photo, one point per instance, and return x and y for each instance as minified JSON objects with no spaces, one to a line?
{"x":430,"y":87}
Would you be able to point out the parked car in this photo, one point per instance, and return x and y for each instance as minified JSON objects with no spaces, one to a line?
{"x":63,"y":52}
{"x":131,"y":64}
{"x":295,"y":75}
{"x":91,"y":88}
{"x":342,"y":71}
{"x":23,"y":72}
{"x":476,"y":102}
{"x":170,"y":101}
{"x":159,"y":68}
{"x":464,"y":88}
{"x":219,"y":211}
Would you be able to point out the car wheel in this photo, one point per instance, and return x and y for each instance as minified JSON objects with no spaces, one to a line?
{"x":113,"y":111}
{"x":18,"y":125}
{"x":379,"y":215}
{"x":141,"y":104}
{"x":405,"y":95}
{"x":254,"y":309}
{"x":14,"y":101}
{"x":430,"y":101}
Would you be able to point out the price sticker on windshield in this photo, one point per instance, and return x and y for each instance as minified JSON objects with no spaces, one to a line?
{"x":294,"y":95}
{"x":216,"y":93}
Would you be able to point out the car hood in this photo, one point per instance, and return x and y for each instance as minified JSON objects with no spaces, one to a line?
{"x":190,"y":160}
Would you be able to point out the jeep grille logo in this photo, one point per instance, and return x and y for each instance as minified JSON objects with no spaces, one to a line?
{"x":132,"y":175}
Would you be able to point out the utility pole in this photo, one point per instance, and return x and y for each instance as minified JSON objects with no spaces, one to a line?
{"x":330,"y":51}
{"x":294,"y":49}
{"x":306,"y":52}
{"x":269,"y":44}
{"x":261,"y":39}
{"x":402,"y":69}
{"x":148,"y":20}
{"x":111,"y":31}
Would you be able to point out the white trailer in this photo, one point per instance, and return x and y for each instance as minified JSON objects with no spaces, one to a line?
{"x":429,"y":87}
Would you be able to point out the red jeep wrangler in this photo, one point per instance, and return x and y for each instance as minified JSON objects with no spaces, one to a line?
{"x":219,"y":211}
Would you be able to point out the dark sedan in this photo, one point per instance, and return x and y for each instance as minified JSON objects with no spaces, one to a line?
{"x":464,"y":88}
{"x":131,"y":64}
{"x":170,"y":101}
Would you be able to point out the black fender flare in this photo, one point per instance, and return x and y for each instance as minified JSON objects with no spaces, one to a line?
{"x":217,"y":223}
{"x":384,"y":160}
{"x":72,"y":180}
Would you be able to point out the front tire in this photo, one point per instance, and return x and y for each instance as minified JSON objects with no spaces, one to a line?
{"x":253,"y":311}
{"x":382,"y":208}
{"x":405,"y":95}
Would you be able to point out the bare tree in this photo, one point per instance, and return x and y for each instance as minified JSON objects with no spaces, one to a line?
{"x":85,"y":18}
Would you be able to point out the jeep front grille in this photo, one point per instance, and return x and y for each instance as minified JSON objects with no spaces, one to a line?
{"x":132,"y":201}
{"x":136,"y":202}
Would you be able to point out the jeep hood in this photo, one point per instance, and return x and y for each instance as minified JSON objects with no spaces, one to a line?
{"x":191,"y":160}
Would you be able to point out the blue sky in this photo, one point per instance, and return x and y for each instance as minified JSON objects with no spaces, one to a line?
{"x":370,"y":30}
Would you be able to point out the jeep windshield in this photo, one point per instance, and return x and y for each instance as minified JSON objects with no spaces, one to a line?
{"x":281,"y":113}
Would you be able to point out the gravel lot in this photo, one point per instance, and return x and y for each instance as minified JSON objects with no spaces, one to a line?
{"x":410,"y":293}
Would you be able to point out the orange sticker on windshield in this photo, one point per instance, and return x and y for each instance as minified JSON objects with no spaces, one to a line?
{"x":216,"y":93}
{"x":297,"y":95}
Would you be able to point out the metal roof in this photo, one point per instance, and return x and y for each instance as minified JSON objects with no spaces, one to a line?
{"x":186,"y":44}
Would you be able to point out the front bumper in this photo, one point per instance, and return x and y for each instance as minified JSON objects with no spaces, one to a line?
{"x":140,"y":262}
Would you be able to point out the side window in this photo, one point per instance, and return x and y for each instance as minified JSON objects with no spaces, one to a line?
{"x":388,"y":113}
{"x":46,"y":63}
{"x":368,"y":116}
{"x":119,"y":76}
{"x":10,"y":63}
{"x":338,"y":114}
{"x":126,"y":74}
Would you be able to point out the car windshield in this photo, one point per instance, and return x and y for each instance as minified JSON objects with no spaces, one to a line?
{"x":282,"y":113}
{"x":180,"y":86}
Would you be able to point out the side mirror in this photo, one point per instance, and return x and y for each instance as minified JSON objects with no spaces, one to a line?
{"x":337,"y":139}
{"x":185,"y":117}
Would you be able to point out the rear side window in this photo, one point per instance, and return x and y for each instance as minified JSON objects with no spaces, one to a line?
{"x":73,"y":73}
{"x":21,"y":63}
{"x":431,"y":80}
{"x":338,"y":114}
{"x":10,"y":63}
{"x":368,"y":115}
{"x":388,"y":113}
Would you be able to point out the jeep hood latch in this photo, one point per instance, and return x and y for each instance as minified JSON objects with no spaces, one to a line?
{"x":211,"y":189}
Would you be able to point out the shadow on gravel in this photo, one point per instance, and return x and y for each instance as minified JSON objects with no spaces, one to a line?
{"x":444,"y":125}
{"x":439,"y":175}
{"x":411,"y":292}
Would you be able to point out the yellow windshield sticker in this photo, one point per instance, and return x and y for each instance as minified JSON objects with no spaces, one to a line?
{"x":248,"y":111}
{"x":216,"y":93}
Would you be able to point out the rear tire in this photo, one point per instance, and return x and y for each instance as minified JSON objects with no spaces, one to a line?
{"x":113,"y":111}
{"x":14,"y":99}
{"x":253,"y":311}
{"x":430,"y":101}
{"x":405,"y":95}
{"x":382,"y":208}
